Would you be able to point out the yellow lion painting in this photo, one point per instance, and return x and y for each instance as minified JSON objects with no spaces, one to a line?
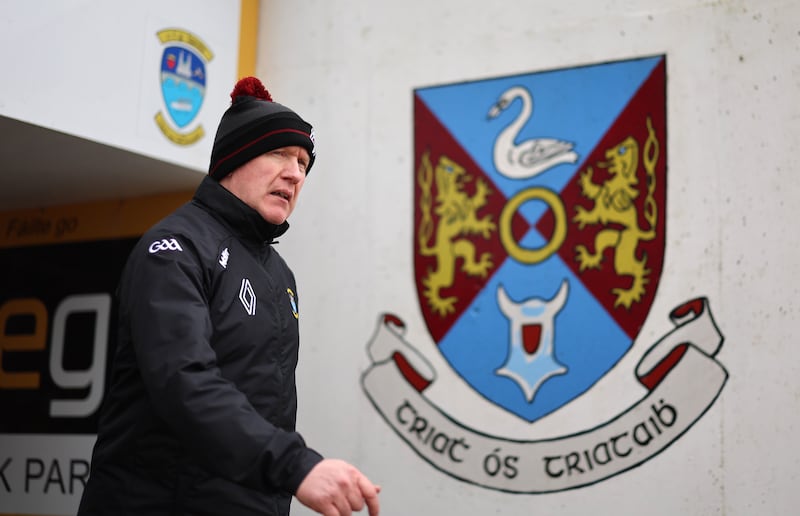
{"x":615,"y":209}
{"x":457,"y":219}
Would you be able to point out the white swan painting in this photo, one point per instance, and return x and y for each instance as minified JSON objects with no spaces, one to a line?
{"x":530,"y":157}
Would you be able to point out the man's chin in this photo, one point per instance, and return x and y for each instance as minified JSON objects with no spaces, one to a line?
{"x":274,"y":218}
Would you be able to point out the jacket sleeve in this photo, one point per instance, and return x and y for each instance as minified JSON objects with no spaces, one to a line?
{"x":164,"y":298}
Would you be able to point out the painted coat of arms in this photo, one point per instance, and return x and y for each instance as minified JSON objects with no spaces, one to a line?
{"x":183,"y":76}
{"x":540,"y":231}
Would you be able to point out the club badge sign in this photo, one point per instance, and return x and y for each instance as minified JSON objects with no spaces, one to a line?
{"x":183,"y":77}
{"x":539,"y":238}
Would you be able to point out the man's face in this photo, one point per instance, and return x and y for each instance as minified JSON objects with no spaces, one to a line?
{"x":271,"y":182}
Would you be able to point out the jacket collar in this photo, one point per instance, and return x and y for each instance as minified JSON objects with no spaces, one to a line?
{"x":243,"y":220}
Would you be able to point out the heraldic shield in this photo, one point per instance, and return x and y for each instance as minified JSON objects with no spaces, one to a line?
{"x":539,"y":225}
{"x":183,"y":83}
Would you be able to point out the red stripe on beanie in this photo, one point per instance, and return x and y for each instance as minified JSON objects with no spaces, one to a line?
{"x":250,"y":144}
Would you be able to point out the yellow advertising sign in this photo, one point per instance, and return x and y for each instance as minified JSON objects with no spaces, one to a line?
{"x":95,"y":221}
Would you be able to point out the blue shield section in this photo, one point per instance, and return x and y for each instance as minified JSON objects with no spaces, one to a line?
{"x":541,"y":331}
{"x":183,"y":84}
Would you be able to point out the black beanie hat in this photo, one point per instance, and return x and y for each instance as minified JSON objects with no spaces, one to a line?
{"x":253,"y":125}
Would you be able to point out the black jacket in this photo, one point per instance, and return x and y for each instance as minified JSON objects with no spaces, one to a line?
{"x":200,"y":415}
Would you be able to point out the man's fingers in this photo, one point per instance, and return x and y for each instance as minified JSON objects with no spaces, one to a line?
{"x":336,"y":488}
{"x":373,"y":506}
{"x":369,"y":492}
{"x":366,"y":487}
{"x":343,"y":506}
{"x":355,"y":500}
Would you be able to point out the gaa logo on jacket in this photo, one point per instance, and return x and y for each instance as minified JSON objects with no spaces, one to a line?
{"x":539,"y":237}
{"x":165,"y":244}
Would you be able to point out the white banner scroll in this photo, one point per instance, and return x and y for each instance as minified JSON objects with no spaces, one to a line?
{"x":679,"y":375}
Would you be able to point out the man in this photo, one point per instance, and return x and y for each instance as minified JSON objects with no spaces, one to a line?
{"x":200,"y":414}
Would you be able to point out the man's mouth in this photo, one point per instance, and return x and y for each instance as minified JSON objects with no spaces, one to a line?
{"x":284,"y":195}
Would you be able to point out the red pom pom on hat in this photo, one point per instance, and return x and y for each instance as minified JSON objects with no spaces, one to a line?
{"x":251,"y":87}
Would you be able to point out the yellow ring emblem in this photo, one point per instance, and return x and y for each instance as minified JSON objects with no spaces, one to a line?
{"x":526,"y":255}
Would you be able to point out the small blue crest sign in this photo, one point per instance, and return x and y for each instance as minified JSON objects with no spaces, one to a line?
{"x":183,"y":77}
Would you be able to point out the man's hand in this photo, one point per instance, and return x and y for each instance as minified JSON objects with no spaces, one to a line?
{"x":336,"y":488}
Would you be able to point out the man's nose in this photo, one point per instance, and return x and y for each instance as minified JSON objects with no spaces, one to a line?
{"x":294,"y":171}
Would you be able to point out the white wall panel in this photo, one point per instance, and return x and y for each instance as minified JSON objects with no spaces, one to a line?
{"x":733,"y":70}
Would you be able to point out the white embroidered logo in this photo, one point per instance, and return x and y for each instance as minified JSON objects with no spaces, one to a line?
{"x":247,"y":297}
{"x":223,"y":258}
{"x":165,"y":245}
